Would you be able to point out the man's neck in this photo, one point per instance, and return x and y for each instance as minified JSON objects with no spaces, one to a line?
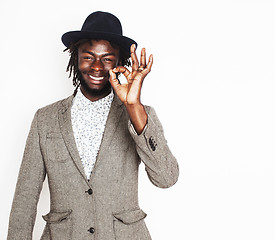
{"x":95,"y":95}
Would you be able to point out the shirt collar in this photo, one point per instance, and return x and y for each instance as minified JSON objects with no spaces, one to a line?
{"x":81,"y":102}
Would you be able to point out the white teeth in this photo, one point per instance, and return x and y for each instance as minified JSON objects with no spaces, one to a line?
{"x":96,"y":78}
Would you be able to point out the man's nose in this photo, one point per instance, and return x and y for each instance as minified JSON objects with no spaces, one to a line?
{"x":97,"y":65}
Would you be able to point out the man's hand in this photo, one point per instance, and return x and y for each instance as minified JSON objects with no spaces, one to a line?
{"x":129,"y":93}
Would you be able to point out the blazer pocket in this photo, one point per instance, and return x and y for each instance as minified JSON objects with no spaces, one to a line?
{"x":59,"y":225}
{"x":56,"y":148}
{"x":130,"y":225}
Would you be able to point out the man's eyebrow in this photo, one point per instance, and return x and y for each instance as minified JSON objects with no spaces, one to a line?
{"x":103,"y":55}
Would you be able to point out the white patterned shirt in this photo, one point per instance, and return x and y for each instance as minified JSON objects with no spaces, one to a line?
{"x":88,"y":122}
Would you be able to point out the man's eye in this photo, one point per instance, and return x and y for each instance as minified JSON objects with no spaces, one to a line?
{"x":107,"y":60}
{"x":87,"y":58}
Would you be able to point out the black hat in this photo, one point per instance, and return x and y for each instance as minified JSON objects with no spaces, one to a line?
{"x":100,"y":25}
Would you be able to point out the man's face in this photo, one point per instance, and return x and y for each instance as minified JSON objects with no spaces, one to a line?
{"x":95,"y":59}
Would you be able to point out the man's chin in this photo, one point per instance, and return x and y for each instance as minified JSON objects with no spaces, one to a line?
{"x":96,"y":91}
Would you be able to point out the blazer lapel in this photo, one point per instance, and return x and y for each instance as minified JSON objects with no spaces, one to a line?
{"x":65,"y":124}
{"x":110,"y":128}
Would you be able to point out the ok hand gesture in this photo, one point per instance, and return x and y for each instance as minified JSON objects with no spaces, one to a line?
{"x":129,"y":93}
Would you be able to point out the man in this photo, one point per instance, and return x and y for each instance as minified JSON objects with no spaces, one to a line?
{"x":90,"y":145}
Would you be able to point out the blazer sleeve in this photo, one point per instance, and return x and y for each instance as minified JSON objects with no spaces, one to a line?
{"x":28,"y":188}
{"x":160,"y":164}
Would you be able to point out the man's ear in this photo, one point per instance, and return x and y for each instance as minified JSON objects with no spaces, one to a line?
{"x":119,"y":62}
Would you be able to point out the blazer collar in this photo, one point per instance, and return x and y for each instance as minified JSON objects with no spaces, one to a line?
{"x":68,"y":136}
{"x":67,"y":103}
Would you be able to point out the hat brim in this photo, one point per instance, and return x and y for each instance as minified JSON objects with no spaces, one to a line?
{"x":74,"y":36}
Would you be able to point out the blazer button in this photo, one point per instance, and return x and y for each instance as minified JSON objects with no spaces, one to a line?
{"x":91,"y":230}
{"x":90,"y":191}
{"x":152,"y":143}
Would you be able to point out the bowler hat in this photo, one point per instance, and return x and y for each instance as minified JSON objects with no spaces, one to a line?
{"x":100,"y":25}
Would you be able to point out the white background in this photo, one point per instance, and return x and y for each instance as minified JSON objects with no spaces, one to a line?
{"x":212,"y":85}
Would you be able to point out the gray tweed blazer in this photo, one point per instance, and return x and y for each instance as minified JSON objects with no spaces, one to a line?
{"x":104,"y":208}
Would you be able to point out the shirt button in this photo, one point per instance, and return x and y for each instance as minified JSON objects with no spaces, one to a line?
{"x":91,"y":230}
{"x":90,"y":191}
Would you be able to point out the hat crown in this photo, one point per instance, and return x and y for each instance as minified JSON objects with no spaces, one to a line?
{"x":102,"y":22}
{"x":100,"y":25}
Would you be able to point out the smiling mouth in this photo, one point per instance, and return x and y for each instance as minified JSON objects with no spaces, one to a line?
{"x":95,"y":78}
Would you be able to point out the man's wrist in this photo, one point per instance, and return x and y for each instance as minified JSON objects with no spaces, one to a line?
{"x":138,"y":116}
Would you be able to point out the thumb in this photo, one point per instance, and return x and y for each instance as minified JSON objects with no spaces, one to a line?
{"x":113,"y":80}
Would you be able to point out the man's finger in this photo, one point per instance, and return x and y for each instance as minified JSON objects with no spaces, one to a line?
{"x":113,"y":80}
{"x":134,"y":58}
{"x":143,"y":58}
{"x":149,"y":65}
{"x":123,"y":70}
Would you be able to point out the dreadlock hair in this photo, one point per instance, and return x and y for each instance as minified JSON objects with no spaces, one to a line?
{"x":72,"y":67}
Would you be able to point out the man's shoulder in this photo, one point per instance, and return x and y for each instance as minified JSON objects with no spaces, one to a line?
{"x":55,"y":107}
